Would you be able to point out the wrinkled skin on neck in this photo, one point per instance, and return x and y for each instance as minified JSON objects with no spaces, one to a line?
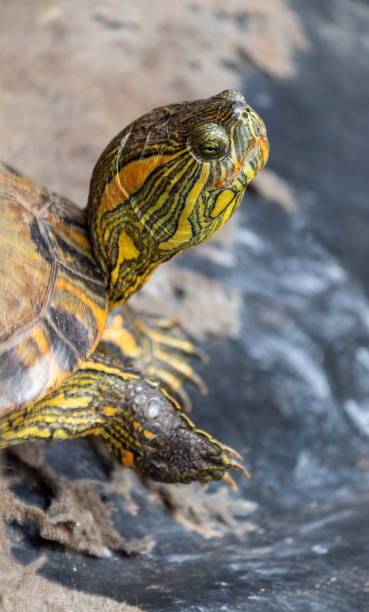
{"x":169,"y":181}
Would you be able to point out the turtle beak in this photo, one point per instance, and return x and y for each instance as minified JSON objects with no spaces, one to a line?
{"x":264,"y":149}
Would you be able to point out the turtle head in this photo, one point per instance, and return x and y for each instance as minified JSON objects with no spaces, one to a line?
{"x":169,"y":181}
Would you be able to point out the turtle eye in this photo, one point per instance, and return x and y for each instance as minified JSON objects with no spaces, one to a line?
{"x":210,"y":149}
{"x":209,"y":141}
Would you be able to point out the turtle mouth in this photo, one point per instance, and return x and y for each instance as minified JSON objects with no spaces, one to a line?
{"x":254,"y":160}
{"x":256,"y":157}
{"x":263,"y":146}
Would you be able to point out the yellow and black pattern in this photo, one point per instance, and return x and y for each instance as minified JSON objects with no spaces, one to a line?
{"x":169,"y":181}
{"x":52,"y":294}
{"x":142,"y":426}
{"x":158,"y":347}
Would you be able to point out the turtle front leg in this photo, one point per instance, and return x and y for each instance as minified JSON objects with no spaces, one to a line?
{"x":158,"y":347}
{"x":141,"y":424}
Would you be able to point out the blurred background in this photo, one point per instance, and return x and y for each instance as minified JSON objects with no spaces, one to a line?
{"x":279,"y":300}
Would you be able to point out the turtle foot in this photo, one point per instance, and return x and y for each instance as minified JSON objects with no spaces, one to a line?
{"x":159,"y":348}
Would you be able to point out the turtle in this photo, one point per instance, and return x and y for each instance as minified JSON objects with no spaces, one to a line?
{"x":167,"y":182}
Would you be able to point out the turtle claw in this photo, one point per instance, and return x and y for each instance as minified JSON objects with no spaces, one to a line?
{"x":240,"y":468}
{"x":180,"y":340}
{"x":183,"y":399}
{"x":230,"y":482}
{"x":200,"y":354}
{"x":234,"y":465}
{"x":231,"y":452}
{"x":196,"y":381}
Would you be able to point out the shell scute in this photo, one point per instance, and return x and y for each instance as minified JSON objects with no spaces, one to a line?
{"x":53,"y":301}
{"x":25,"y":267}
{"x":24,"y":371}
{"x":63,"y":355}
{"x":74,"y":309}
{"x":15,"y":185}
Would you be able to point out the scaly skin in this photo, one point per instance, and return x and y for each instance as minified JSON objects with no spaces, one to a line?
{"x":142,"y":425}
{"x":167,"y":182}
{"x":158,"y":347}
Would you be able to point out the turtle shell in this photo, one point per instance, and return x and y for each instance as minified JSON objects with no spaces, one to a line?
{"x":53,"y":301}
